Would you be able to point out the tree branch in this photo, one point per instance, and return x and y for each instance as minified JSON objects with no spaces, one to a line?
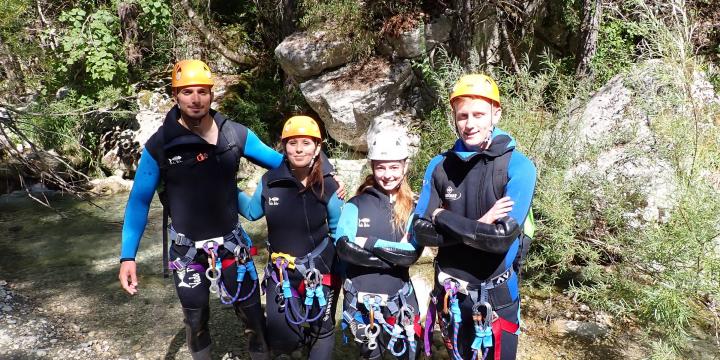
{"x":244,"y":57}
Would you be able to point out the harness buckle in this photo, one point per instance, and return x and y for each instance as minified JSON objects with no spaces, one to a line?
{"x":287,"y":258}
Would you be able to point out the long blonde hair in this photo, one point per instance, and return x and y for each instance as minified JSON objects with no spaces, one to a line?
{"x":403,"y":205}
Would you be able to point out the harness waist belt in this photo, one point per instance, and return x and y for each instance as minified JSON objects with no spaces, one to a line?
{"x":232,"y":241}
{"x":301,"y":263}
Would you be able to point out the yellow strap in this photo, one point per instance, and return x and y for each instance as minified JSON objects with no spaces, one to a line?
{"x":287,"y":257}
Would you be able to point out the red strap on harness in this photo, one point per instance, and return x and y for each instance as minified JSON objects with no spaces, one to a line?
{"x":329,"y":280}
{"x":498,"y":326}
{"x":228,"y":262}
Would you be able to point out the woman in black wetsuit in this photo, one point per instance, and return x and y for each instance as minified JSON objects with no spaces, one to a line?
{"x":301,"y":206}
{"x":380,"y":307}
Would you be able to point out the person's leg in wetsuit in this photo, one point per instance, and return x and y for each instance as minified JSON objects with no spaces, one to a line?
{"x":192,"y":288}
{"x":249,"y":311}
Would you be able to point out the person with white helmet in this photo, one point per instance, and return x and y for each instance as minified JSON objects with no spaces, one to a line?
{"x":474,"y":201}
{"x":380,"y":308}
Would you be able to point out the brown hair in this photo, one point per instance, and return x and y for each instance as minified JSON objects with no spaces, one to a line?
{"x":403,"y":205}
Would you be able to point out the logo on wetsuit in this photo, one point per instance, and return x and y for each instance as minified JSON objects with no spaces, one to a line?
{"x":175,"y":160}
{"x":451,"y":195}
{"x":364,"y":223}
{"x":274,"y":201}
{"x":193,"y":281}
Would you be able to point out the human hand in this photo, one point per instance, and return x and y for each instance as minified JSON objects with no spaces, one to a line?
{"x":128,"y":276}
{"x":499,"y":210}
{"x":341,"y":191}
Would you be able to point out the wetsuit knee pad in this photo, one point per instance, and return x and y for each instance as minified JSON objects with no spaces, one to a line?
{"x":196,"y":328}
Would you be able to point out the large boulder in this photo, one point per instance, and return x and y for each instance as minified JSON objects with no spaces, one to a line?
{"x":437,"y":31}
{"x":407,"y":44}
{"x":302,"y":55}
{"x":350,"y":98}
{"x":394,"y":120}
{"x":616,"y":143}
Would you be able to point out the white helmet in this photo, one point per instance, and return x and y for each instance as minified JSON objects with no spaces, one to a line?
{"x":389,"y":145}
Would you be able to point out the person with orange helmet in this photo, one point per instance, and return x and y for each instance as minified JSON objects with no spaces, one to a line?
{"x":474,"y":201}
{"x":301,"y":207}
{"x":192,"y":160}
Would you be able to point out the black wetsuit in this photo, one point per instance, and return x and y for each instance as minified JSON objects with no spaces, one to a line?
{"x":298,"y":222}
{"x":199,"y":181}
{"x":369,"y":215}
{"x":461,"y":182}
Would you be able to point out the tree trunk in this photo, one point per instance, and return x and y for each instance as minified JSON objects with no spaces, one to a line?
{"x":505,"y":39}
{"x":128,"y":13}
{"x":463,"y":30}
{"x":242,"y":57}
{"x":592,"y":14}
{"x":10,"y":66}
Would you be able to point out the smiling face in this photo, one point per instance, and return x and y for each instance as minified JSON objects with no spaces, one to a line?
{"x":300,"y":150}
{"x":194,"y":101}
{"x":388,"y":174}
{"x":475,"y":119}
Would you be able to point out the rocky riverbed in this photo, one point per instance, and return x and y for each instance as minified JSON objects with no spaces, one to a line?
{"x":60,"y":298}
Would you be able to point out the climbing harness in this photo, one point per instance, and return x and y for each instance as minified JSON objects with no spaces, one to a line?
{"x":312,"y":285}
{"x":444,"y":307}
{"x":402,"y":325}
{"x":236,"y":242}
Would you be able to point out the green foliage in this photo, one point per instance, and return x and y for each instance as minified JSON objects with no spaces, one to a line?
{"x":617,"y":42}
{"x":91,"y":41}
{"x":260,"y":102}
{"x":156,"y":16}
{"x":341,"y":19}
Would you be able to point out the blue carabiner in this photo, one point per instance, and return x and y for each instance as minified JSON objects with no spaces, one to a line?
{"x":250,"y":265}
{"x":241,"y":270}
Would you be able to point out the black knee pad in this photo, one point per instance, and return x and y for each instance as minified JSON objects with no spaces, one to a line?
{"x":196,"y":328}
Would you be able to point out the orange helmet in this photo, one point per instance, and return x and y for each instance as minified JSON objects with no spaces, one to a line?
{"x":191,"y":72}
{"x":476,"y":85}
{"x":301,"y":125}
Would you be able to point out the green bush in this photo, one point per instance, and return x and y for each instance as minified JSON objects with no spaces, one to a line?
{"x":262,"y":103}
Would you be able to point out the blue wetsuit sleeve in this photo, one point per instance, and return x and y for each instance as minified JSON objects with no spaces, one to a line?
{"x":347,"y":224}
{"x":146,"y":181}
{"x":260,"y":154}
{"x":334,"y":209}
{"x":521,"y":185}
{"x":410,"y":245}
{"x":251,"y":208}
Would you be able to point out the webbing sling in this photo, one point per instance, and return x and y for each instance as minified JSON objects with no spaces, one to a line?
{"x":402,"y":319}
